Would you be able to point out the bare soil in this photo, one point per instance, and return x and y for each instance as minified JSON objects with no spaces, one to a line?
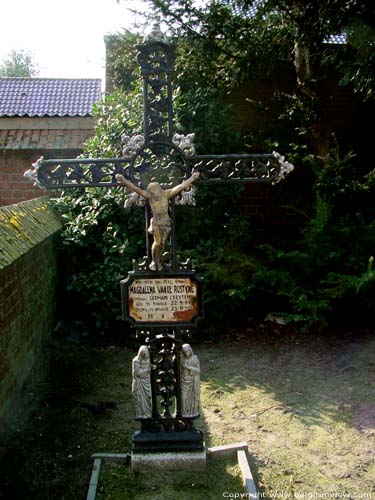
{"x":304,"y":403}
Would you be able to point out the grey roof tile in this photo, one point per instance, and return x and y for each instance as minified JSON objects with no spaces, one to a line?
{"x":339,"y":39}
{"x":48,"y":96}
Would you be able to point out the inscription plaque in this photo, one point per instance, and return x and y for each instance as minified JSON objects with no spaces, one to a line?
{"x":170,"y":300}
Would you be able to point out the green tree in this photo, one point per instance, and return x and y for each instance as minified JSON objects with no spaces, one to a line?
{"x":328,"y":263}
{"x":18,"y":64}
{"x":357,"y":66}
{"x":236,"y":34}
{"x":100,"y":238}
{"x":121,"y":64}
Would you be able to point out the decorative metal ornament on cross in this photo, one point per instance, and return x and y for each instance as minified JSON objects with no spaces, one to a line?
{"x":161,"y":296}
{"x":175,"y":152}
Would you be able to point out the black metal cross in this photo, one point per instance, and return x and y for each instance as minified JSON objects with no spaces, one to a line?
{"x":159,"y":154}
{"x":168,"y":158}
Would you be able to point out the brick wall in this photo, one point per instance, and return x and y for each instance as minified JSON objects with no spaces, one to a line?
{"x":13,"y":186}
{"x":23,"y":140}
{"x":256,"y":106}
{"x":28,"y":275}
{"x":13,"y":164}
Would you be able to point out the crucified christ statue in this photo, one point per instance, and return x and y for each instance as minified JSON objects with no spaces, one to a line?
{"x":160,"y":224}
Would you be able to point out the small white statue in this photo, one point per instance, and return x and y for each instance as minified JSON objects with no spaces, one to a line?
{"x":190,"y":382}
{"x":141,"y":386}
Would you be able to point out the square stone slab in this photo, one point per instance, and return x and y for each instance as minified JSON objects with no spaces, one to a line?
{"x":145,"y":462}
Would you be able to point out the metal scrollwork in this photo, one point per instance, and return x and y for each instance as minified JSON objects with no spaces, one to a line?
{"x":186,"y":197}
{"x":142,"y":265}
{"x":185,"y":143}
{"x":253,"y":167}
{"x":159,"y":161}
{"x":163,"y":161}
{"x":157,"y":170}
{"x":159,"y":154}
{"x":130,"y":145}
{"x":156,"y":57}
{"x":79,"y":172}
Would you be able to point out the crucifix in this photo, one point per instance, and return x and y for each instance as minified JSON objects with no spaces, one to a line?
{"x":160,"y":224}
{"x":161,"y":296}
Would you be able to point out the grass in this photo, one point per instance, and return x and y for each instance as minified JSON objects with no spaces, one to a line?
{"x":307,"y":410}
{"x":117,"y":483}
{"x":305,"y":405}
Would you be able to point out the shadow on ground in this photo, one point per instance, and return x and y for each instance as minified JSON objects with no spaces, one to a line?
{"x":304,"y":403}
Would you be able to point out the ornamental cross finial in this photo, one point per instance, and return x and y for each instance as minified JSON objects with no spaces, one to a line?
{"x":154,"y":34}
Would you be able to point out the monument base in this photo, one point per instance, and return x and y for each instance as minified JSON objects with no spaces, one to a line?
{"x":172,"y":441}
{"x":146,"y":462}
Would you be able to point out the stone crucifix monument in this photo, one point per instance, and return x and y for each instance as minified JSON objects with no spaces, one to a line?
{"x":161,"y":296}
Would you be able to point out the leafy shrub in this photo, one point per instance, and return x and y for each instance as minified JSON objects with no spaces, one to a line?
{"x":330,"y":265}
{"x":99,"y":241}
{"x":101,"y":238}
{"x":324,"y":274}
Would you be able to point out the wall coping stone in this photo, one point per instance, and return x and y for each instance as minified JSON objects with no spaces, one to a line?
{"x":23,"y":226}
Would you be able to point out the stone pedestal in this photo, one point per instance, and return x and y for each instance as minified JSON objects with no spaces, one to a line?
{"x":147,"y":462}
{"x":171,"y":441}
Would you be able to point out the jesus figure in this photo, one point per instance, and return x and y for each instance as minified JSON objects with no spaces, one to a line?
{"x":160,"y":224}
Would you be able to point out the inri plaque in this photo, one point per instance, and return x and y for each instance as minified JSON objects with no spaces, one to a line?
{"x":170,"y":300}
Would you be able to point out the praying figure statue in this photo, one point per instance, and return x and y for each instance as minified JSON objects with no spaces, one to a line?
{"x":141,"y":386}
{"x":160,"y":224}
{"x":190,"y":382}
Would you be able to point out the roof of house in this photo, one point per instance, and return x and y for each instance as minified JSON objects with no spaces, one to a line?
{"x":37,"y":97}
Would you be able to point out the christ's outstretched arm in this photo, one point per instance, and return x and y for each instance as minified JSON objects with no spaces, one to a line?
{"x":121,"y":179}
{"x":171,"y":193}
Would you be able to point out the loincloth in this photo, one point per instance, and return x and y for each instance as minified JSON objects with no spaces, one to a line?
{"x":163,"y":224}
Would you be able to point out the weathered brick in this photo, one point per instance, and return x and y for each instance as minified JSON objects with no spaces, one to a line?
{"x":26,"y":300}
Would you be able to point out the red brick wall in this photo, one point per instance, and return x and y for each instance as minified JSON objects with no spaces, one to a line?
{"x":28,"y":273}
{"x":13,"y":186}
{"x":26,"y":313}
{"x":254,"y":200}
{"x":270,"y":207}
{"x":256,"y":106}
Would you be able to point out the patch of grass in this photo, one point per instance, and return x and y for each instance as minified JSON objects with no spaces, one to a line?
{"x":304,"y":404}
{"x":117,"y":482}
{"x":295,"y":403}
